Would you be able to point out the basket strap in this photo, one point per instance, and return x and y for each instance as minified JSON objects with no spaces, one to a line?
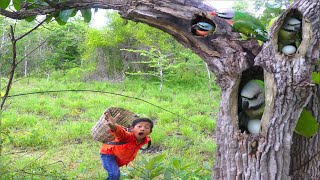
{"x":120,"y":143}
{"x":149,"y":144}
{"x":115,"y":143}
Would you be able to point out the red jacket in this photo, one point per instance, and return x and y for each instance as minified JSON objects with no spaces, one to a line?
{"x":124,"y":153}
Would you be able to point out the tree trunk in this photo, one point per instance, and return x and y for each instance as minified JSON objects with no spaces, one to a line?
{"x":106,"y":68}
{"x":277,"y":152}
{"x":160,"y":73}
{"x":280,"y":154}
{"x":25,"y":61}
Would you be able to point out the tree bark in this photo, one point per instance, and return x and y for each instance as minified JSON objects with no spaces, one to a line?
{"x":277,"y":152}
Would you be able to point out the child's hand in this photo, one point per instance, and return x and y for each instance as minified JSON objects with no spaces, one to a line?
{"x":111,"y":121}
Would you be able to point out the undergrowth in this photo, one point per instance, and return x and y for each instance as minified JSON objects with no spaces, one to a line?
{"x":47,"y":135}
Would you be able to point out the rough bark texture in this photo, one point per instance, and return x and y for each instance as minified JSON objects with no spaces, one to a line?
{"x":276,"y":153}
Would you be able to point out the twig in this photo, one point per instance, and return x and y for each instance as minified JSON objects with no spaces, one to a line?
{"x":13,"y":67}
{"x":23,"y":35}
{"x":32,"y":51}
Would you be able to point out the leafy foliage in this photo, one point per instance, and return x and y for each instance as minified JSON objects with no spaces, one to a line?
{"x":61,"y":17}
{"x":270,"y":12}
{"x":64,"y":44}
{"x":143,"y":40}
{"x":156,"y":166}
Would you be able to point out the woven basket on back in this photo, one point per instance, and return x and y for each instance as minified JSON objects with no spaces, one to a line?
{"x":100,"y":131}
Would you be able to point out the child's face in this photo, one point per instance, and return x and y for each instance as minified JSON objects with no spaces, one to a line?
{"x":141,"y":130}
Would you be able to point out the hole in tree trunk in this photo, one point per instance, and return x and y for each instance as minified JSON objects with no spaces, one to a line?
{"x":290,"y":33}
{"x":202,"y":26}
{"x":251,"y":100}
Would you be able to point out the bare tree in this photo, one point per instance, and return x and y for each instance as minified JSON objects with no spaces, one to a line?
{"x":276,"y":152}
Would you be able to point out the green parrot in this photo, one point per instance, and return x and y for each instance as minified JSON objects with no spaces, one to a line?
{"x":290,"y":33}
{"x":243,"y":23}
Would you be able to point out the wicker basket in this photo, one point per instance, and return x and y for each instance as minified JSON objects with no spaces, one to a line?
{"x":100,"y":131}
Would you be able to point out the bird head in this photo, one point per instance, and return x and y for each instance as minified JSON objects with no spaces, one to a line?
{"x":292,"y":24}
{"x":224,"y":13}
{"x":203,"y":28}
{"x":252,"y":98}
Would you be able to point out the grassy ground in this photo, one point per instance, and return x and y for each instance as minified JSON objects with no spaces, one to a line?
{"x":47,"y":136}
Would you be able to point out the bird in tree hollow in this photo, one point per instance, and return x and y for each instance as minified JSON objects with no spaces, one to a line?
{"x":203,"y":28}
{"x":252,"y":105}
{"x":243,"y":23}
{"x":290,"y":35}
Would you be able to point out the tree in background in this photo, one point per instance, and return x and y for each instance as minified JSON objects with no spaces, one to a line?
{"x":52,"y":47}
{"x":108,"y":62}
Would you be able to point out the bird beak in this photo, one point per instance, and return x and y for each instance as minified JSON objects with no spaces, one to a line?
{"x":245,"y":104}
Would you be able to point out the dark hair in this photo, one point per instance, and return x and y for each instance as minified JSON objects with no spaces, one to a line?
{"x":136,"y":121}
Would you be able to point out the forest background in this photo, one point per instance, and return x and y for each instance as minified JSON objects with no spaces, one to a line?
{"x":68,"y":75}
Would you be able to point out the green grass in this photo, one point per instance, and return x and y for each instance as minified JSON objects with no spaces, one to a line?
{"x":47,"y":136}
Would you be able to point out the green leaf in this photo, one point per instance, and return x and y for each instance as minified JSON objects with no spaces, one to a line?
{"x":176,"y":163}
{"x":315,"y":76}
{"x":81,"y":168}
{"x":74,"y":12}
{"x":186,"y":166}
{"x":151,"y":164}
{"x":17,"y":4}
{"x":306,"y":126}
{"x":65,"y":14}
{"x":49,"y":18}
{"x":4,"y":4}
{"x":197,"y":170}
{"x":59,"y":21}
{"x":30,"y":19}
{"x":156,"y":172}
{"x":86,"y":14}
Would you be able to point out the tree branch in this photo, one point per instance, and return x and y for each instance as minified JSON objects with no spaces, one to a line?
{"x":32,"y":51}
{"x":52,"y":4}
{"x":25,"y":34}
{"x":13,"y":67}
{"x":56,"y":7}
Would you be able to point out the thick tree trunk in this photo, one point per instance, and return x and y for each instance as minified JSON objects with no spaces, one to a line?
{"x":277,"y":152}
{"x":280,"y":154}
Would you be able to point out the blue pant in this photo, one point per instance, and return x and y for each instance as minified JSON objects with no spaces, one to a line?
{"x":109,"y":163}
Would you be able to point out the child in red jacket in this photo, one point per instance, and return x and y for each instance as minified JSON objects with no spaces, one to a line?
{"x":115,"y":156}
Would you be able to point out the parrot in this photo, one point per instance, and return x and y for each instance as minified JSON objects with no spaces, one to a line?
{"x":252,"y":104}
{"x":203,"y":28}
{"x":290,"y":33}
{"x":243,"y":23}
